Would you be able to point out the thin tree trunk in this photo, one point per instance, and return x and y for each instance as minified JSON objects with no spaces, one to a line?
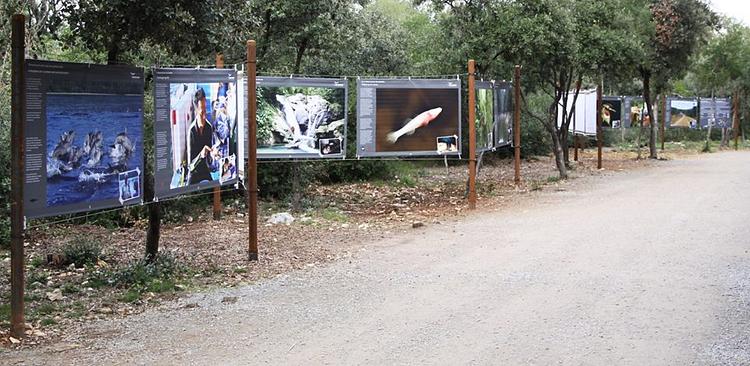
{"x":651,"y":116}
{"x":300,"y":53}
{"x":559,"y":159}
{"x":711,"y":122}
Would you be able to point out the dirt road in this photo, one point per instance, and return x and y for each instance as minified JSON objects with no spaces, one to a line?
{"x":650,"y":267}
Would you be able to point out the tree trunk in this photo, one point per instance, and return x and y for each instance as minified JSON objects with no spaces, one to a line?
{"x":559,"y":158}
{"x":651,"y":116}
{"x":711,"y":122}
{"x":300,"y":53}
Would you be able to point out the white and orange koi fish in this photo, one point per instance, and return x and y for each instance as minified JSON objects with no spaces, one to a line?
{"x":421,"y":120}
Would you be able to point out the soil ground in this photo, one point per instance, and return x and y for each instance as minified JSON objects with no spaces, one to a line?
{"x":357,"y":218}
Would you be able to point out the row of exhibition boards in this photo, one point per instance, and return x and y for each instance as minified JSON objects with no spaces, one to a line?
{"x":84,"y":127}
{"x":626,"y":112}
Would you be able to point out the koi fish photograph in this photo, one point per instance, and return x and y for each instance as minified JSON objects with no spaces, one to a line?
{"x":412,"y":119}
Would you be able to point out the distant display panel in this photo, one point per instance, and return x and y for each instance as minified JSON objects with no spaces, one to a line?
{"x":682,"y":113}
{"x":503,"y":128}
{"x":611,"y":112}
{"x":484,"y":121}
{"x":716,"y":111}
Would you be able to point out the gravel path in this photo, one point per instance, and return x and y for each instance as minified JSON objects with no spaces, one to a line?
{"x":649,"y":267}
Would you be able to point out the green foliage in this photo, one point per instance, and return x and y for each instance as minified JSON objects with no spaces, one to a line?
{"x":82,"y":251}
{"x":333,"y":214}
{"x":146,"y":275}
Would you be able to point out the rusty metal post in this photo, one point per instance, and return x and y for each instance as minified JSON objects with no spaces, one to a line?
{"x":472,"y":139}
{"x":217,"y":190}
{"x":17,"y":227}
{"x":599,"y":133}
{"x":575,"y":140}
{"x":663,"y":120}
{"x":251,"y":171}
{"x":517,"y":123}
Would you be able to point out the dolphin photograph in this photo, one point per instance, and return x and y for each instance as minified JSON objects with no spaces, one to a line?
{"x":412,"y":119}
{"x":91,"y":138}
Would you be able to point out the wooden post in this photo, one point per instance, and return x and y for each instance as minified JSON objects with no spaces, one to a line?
{"x":472,"y":139}
{"x":575,"y":140}
{"x":217,"y":190}
{"x":18,"y":106}
{"x":599,"y":137}
{"x":251,"y":171}
{"x":663,"y":120}
{"x":736,"y":122}
{"x":517,"y":123}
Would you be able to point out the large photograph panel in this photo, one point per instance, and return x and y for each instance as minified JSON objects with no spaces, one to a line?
{"x":611,"y":112}
{"x":408,"y":117}
{"x":84,"y":137}
{"x":636,"y":113}
{"x":484,"y":122}
{"x":503,"y":126}
{"x":301,"y":117}
{"x":715,"y":111}
{"x":682,"y":113}
{"x":196,"y":129}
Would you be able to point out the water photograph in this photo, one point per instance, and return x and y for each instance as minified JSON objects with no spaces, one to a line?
{"x":294,"y":120}
{"x":91,"y":138}
{"x":484,"y":119}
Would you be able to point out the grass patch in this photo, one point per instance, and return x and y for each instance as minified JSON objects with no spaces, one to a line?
{"x":4,"y":311}
{"x":45,"y":309}
{"x":48,"y":321}
{"x":158,"y":276}
{"x":130,"y":296}
{"x":553,"y":179}
{"x":70,"y":289}
{"x":36,"y":276}
{"x":82,"y":251}
{"x":536,"y":185}
{"x":36,"y":262}
{"x":333,"y":214}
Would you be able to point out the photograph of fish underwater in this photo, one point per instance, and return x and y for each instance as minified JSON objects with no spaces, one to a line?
{"x":683,"y":113}
{"x":484,"y":119}
{"x":203,"y":119}
{"x":91,"y":139}
{"x":294,"y":120}
{"x":411,"y":120}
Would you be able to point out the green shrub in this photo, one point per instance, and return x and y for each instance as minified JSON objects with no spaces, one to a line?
{"x":82,"y":251}
{"x":143,"y":274}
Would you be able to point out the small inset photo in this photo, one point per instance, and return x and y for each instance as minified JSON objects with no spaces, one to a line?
{"x":447,"y":144}
{"x":130,"y":185}
{"x":228,"y":169}
{"x":330,"y":146}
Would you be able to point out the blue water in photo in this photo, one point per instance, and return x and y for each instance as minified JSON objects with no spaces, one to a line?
{"x":76,"y":178}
